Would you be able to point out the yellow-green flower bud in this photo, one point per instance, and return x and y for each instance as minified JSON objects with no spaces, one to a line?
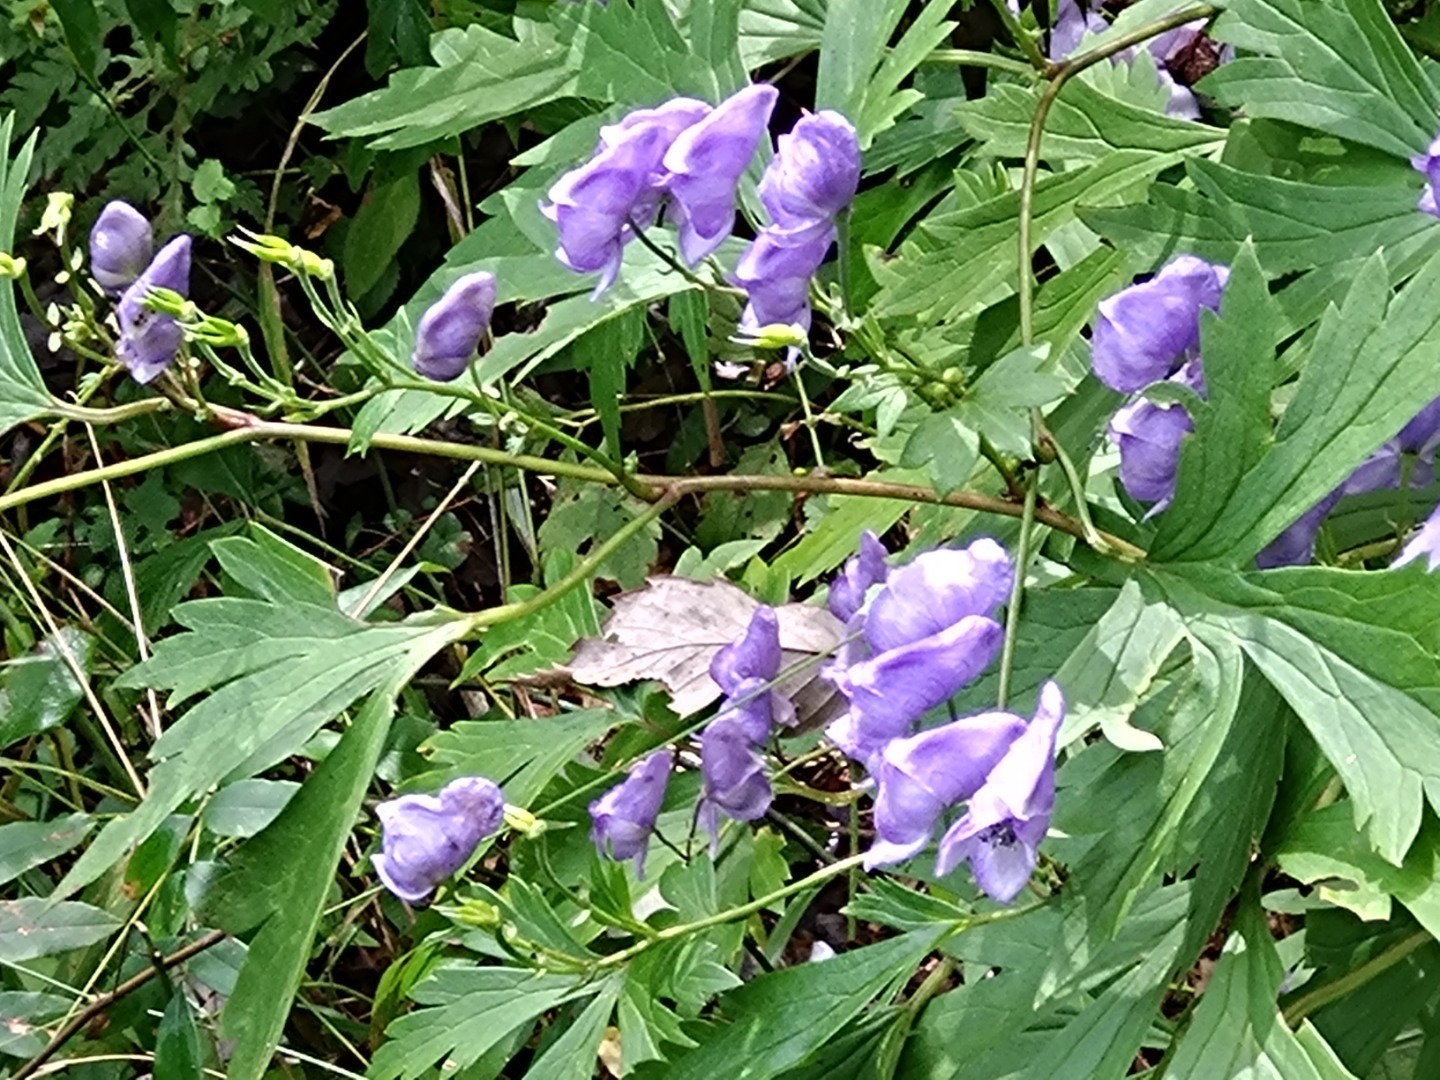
{"x":11,"y":266}
{"x":56,"y":218}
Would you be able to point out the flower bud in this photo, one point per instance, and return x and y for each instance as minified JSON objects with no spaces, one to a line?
{"x":278,"y":250}
{"x":149,"y":339}
{"x":56,"y":217}
{"x":451,"y":328}
{"x":121,"y":244}
{"x":624,"y":817}
{"x":814,"y":173}
{"x":426,"y":838}
{"x":12,"y":266}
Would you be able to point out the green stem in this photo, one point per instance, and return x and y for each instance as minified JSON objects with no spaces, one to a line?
{"x":1352,"y":980}
{"x":1017,"y":592}
{"x":809,"y":420}
{"x":1013,"y":487}
{"x":1024,"y":41}
{"x":894,"y":1043}
{"x":970,"y":58}
{"x":115,"y":415}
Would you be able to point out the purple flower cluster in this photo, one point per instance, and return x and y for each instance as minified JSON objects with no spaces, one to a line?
{"x":426,"y":838}
{"x":921,"y":632}
{"x":1146,"y":334}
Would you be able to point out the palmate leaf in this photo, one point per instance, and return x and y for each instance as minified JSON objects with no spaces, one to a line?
{"x":1338,"y":66}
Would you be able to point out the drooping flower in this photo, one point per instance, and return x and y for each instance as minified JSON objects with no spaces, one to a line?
{"x":1146,"y":332}
{"x":624,"y":817}
{"x":928,"y":632}
{"x":732,"y":774}
{"x":775,"y":274}
{"x":121,"y":244}
{"x":150,"y":339}
{"x":1148,"y":435}
{"x":705,"y":163}
{"x":813,"y":175}
{"x":861,"y":571}
{"x":1072,"y":23}
{"x":671,"y":118}
{"x":1428,"y":165}
{"x":1008,"y":816}
{"x":745,"y":670}
{"x":919,"y":777}
{"x":426,"y":838}
{"x":451,"y":328}
{"x":1424,"y":544}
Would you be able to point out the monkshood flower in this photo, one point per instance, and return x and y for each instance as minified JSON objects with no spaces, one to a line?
{"x":732,"y":774}
{"x":426,"y":838}
{"x":1425,"y":543}
{"x":624,"y":817}
{"x":671,"y":119}
{"x":861,"y":571}
{"x":1146,"y":332}
{"x":928,"y":632}
{"x":1148,"y":435}
{"x":775,"y":272}
{"x":1008,"y":816}
{"x":451,"y":328}
{"x":744,"y":670}
{"x":813,"y":175}
{"x":919,"y":777}
{"x":1428,"y":164}
{"x":150,"y":339}
{"x":121,"y":244}
{"x":1296,"y":545}
{"x":1072,"y":23}
{"x":705,"y":164}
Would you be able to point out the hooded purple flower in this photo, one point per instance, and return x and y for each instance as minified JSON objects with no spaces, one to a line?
{"x":813,"y":175}
{"x":1428,"y":164}
{"x":705,"y":164}
{"x":867,"y":568}
{"x":1148,"y":435}
{"x":149,"y":339}
{"x":1008,"y":816}
{"x":918,"y":778}
{"x":1425,"y":543}
{"x":1071,"y":24}
{"x":929,"y":632}
{"x":671,"y":118}
{"x":451,"y":328}
{"x":733,"y":776}
{"x":121,"y":244}
{"x":1146,"y":332}
{"x":426,"y":838}
{"x":775,"y":274}
{"x":624,"y":817}
{"x":745,"y":669}
{"x":1296,"y":545}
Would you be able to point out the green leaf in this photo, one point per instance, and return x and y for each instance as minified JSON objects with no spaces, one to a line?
{"x":584,"y":515}
{"x":1372,"y":360}
{"x":279,"y":880}
{"x":520,"y":755}
{"x":884,"y":102}
{"x":33,"y":926}
{"x":398,"y":30}
{"x":607,"y":353}
{"x":776,"y":29}
{"x":384,"y":222}
{"x":80,"y":20}
{"x":27,"y":844}
{"x":1237,"y":1029}
{"x":572,"y":1055}
{"x":155,"y":20}
{"x":999,"y":401}
{"x":269,"y":567}
{"x":23,"y":1016}
{"x":778,"y":1020}
{"x":1338,"y":66}
{"x":946,"y":446}
{"x":465,"y":1011}
{"x":851,"y":47}
{"x":177,"y":1042}
{"x":1355,"y":655}
{"x":1085,"y":124}
{"x":41,"y":690}
{"x":632,"y":52}
{"x":22,"y":392}
{"x":210,"y":184}
{"x":245,"y":807}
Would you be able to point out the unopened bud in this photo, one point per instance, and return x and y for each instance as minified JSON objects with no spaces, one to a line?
{"x":477,"y":913}
{"x":216,"y":332}
{"x":774,"y":336}
{"x":520,"y":820}
{"x":56,"y":217}
{"x":278,"y":250}
{"x":12,"y":266}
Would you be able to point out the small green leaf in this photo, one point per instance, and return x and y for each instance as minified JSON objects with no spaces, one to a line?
{"x":384,"y":222}
{"x":33,"y":926}
{"x":26,"y":844}
{"x":210,"y":184}
{"x":23,"y":1016}
{"x":40,"y":688}
{"x":946,"y":447}
{"x":177,"y":1042}
{"x":80,"y":19}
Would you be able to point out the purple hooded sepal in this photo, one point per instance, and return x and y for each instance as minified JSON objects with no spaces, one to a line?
{"x":733,"y":775}
{"x":1008,"y":816}
{"x":755,"y":655}
{"x":1144,"y":333}
{"x":861,"y":571}
{"x":1148,"y":436}
{"x":1424,"y":544}
{"x":937,"y":590}
{"x":624,"y":817}
{"x":121,"y":244}
{"x":426,"y":838}
{"x":705,"y":163}
{"x":814,"y":173}
{"x":775,"y":272}
{"x":919,"y":777}
{"x":451,"y":328}
{"x":149,"y":339}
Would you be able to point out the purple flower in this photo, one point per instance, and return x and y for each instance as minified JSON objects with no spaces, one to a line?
{"x":929,"y":632}
{"x":920,"y":777}
{"x":1148,"y":435}
{"x":1428,"y":164}
{"x":121,"y":244}
{"x":592,"y":206}
{"x":1426,"y":542}
{"x":1146,"y":332}
{"x":847,"y":592}
{"x":1422,"y":434}
{"x":813,"y":175}
{"x":149,"y":339}
{"x":1008,"y":816}
{"x":1296,"y":545}
{"x":732,"y":774}
{"x":624,"y":817}
{"x":671,"y":118}
{"x":775,"y":274}
{"x":426,"y":838}
{"x":1071,"y":24}
{"x":705,"y":164}
{"x":451,"y":328}
{"x":745,"y":670}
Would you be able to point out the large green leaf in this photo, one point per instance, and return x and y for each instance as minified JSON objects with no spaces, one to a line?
{"x":33,"y":926}
{"x":22,"y":392}
{"x":1372,"y":360}
{"x":1356,"y":656}
{"x":25,"y":844}
{"x":631,"y":51}
{"x":1334,"y":65}
{"x":1237,"y":1029}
